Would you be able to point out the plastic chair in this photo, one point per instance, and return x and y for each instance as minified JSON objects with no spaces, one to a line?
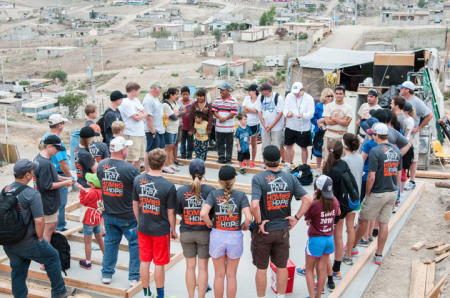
{"x":439,"y":153}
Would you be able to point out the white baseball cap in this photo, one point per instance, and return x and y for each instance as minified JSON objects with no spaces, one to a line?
{"x":380,"y":129}
{"x":56,"y":119}
{"x":296,"y":87}
{"x":119,"y":143}
{"x":408,"y":85}
{"x":325,"y":184}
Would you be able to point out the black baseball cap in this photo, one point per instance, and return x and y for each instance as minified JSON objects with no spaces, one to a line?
{"x":87,"y":132}
{"x":272,"y":153}
{"x":116,"y":95}
{"x":408,"y":107}
{"x":389,"y":114}
{"x":23,"y":166}
{"x":197,"y":167}
{"x":380,"y":114}
{"x":55,"y":141}
{"x":252,"y":87}
{"x":227,"y":173}
{"x":373,"y":92}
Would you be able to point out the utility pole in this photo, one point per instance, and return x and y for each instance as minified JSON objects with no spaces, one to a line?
{"x":356,"y":10}
{"x":296,"y":21}
{"x":228,"y":70}
{"x":101,"y":57}
{"x":3,"y":76}
{"x":92,"y":69}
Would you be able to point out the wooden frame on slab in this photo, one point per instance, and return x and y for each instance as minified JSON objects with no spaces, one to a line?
{"x":370,"y":251}
{"x":32,"y":293}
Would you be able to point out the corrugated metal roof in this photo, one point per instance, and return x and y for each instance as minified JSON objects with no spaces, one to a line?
{"x":204,"y":83}
{"x":214,"y":62}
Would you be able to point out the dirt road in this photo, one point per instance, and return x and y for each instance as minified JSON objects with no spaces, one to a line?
{"x":229,"y":7}
{"x":131,"y":18}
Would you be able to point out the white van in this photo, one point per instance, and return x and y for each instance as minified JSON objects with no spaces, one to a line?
{"x":272,"y":61}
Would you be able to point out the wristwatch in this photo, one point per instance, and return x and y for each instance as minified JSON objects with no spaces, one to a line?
{"x":296,"y":217}
{"x":258,"y":224}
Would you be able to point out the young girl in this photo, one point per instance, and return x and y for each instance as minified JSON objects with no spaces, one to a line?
{"x":201,"y":106}
{"x":356,"y":164}
{"x":170,"y":108}
{"x":408,"y":123}
{"x":320,"y":218}
{"x":92,"y":218}
{"x":201,"y":136}
{"x":250,"y":107}
{"x":194,"y":233}
{"x":226,"y":243}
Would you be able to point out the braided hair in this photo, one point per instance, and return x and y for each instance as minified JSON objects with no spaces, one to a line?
{"x":227,"y":188}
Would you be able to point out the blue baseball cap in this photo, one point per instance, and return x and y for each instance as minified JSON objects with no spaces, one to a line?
{"x":197,"y":167}
{"x":367,"y":124}
{"x":225,"y":86}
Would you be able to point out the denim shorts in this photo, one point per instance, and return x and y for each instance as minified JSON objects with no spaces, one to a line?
{"x":170,"y":138}
{"x":230,"y":243}
{"x":88,"y":230}
{"x":318,"y":246}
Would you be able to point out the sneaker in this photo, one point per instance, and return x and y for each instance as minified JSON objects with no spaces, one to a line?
{"x":242,"y":172}
{"x":378,"y":259}
{"x":133,"y":282}
{"x":177,"y":163}
{"x":370,"y":239}
{"x":106,"y":280}
{"x":355,"y":250}
{"x":375,"y":233}
{"x":252,"y":165}
{"x":85,"y":265}
{"x":80,"y":231}
{"x":152,"y":296}
{"x":347,"y":260}
{"x":174,"y":168}
{"x":337,"y":275}
{"x":363,"y":242}
{"x":69,"y":293}
{"x":244,"y":164}
{"x":331,"y":286}
{"x":315,"y":288}
{"x":397,"y":202}
{"x":302,"y":271}
{"x":410,"y":185}
{"x":263,"y":166}
{"x":287,"y":168}
{"x":317,"y":172}
{"x":95,"y":246}
{"x":208,"y":288}
{"x":168,"y":170}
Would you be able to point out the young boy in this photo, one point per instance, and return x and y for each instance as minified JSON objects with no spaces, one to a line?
{"x":91,"y":112}
{"x":153,"y":204}
{"x":242,"y":136}
{"x":187,"y":141}
{"x":118,"y":129}
{"x":201,"y":136}
{"x":92,"y":218}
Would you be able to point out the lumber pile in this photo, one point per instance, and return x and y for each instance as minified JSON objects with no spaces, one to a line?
{"x":422,"y":279}
{"x":440,"y":248}
{"x":436,"y":290}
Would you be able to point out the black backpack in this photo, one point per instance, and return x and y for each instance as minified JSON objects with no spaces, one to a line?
{"x":408,"y":159}
{"x":12,"y":227}
{"x":317,"y":144}
{"x":101,"y":123}
{"x":60,"y":243}
{"x":276,"y":98}
{"x":305,"y":174}
{"x":349,"y":191}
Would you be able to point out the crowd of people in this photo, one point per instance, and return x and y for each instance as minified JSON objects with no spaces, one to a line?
{"x":119,"y":201}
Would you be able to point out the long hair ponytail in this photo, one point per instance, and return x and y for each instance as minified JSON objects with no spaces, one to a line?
{"x":196,"y":186}
{"x":328,"y":204}
{"x":335,"y":149}
{"x":41,"y":145}
{"x":169,"y":92}
{"x":85,"y":142}
{"x":227,"y":188}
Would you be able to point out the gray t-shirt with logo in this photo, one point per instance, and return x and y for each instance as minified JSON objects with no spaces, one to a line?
{"x":386,"y":161}
{"x":222,"y":220}
{"x":394,"y":137}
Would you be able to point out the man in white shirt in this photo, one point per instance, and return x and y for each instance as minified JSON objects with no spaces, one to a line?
{"x":298,"y":110}
{"x":270,"y":114}
{"x":133,"y":115}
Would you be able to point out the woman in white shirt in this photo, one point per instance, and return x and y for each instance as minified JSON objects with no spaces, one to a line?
{"x":250,"y":107}
{"x":170,"y":109}
{"x":408,"y":123}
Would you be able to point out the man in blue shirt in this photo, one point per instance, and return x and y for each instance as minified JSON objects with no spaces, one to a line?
{"x":61,"y":162}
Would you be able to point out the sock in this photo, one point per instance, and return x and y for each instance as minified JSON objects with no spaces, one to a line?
{"x":412,"y":182}
{"x":88,"y":262}
{"x":147,"y":292}
{"x":286,"y":164}
{"x":160,"y":292}
{"x":378,"y":255}
{"x":280,"y":296}
{"x":337,"y":266}
{"x":242,"y":168}
{"x":330,"y":279}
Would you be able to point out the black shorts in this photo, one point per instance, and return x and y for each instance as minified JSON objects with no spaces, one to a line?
{"x":301,"y":138}
{"x":243,"y":156}
{"x":255,"y":129}
{"x":342,"y":216}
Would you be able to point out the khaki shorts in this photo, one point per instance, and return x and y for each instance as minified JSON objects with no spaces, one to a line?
{"x":195,"y":243}
{"x":180,"y":133}
{"x":273,"y":246}
{"x":327,"y":138}
{"x":415,"y":143}
{"x":378,"y":205}
{"x":137,"y":150}
{"x":51,"y":218}
{"x":270,"y":138}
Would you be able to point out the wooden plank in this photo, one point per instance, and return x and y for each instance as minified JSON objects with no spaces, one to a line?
{"x":436,"y":290}
{"x":72,"y":231}
{"x":73,"y":206}
{"x":431,"y":269}
{"x":73,"y":282}
{"x":32,"y":293}
{"x":97,"y":261}
{"x":436,"y":244}
{"x":427,"y":261}
{"x":73,"y":217}
{"x":442,"y":249}
{"x":418,"y":246}
{"x":447,"y":216}
{"x":422,"y":280}
{"x":441,"y":257}
{"x":413,"y":285}
{"x":4,"y":258}
{"x":80,"y":238}
{"x":370,"y":251}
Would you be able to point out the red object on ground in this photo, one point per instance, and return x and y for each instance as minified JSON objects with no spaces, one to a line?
{"x":291,"y":274}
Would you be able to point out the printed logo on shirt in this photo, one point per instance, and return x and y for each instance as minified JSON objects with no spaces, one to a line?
{"x":278,"y":196}
{"x":111,"y":185}
{"x":326,"y":221}
{"x":34,"y":182}
{"x":338,"y":113}
{"x":149,"y":203}
{"x":96,"y":152}
{"x":268,"y":106}
{"x":365,"y":113}
{"x":78,"y":167}
{"x":191,"y":212}
{"x":391,"y":162}
{"x":223,"y":220}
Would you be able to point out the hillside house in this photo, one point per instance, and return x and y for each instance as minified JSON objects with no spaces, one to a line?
{"x":51,"y":52}
{"x":83,"y":31}
{"x":190,"y":25}
{"x":173,"y":28}
{"x":254,"y":34}
{"x":52,"y":91}
{"x":390,"y":18}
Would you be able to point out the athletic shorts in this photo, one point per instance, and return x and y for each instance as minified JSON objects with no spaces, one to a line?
{"x":301,"y":138}
{"x":170,"y":138}
{"x":243,"y":156}
{"x":180,"y":132}
{"x":89,"y":230}
{"x":154,"y":248}
{"x":255,"y":129}
{"x":52,"y":217}
{"x":318,"y":246}
{"x":273,"y":246}
{"x":339,"y":217}
{"x":230,"y":243}
{"x":137,"y":150}
{"x":378,"y":205}
{"x":195,"y":243}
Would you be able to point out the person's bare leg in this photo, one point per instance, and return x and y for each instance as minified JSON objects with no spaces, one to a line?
{"x":360,"y":230}
{"x":412,"y":171}
{"x":168,"y":150}
{"x":49,"y":229}
{"x":160,"y":276}
{"x":175,"y":152}
{"x":283,"y":153}
{"x":191,"y":263}
{"x":219,"y":276}
{"x":282,"y":278}
{"x":144,"y":272}
{"x":261,"y":282}
{"x":292,"y":155}
{"x":338,"y":240}
{"x":321,"y":265}
{"x":350,"y":224}
{"x":376,"y":225}
{"x":288,"y":154}
{"x":254,"y":141}
{"x":137,"y":164}
{"x":383,"y":233}
{"x":88,"y":247}
{"x":146,"y":165}
{"x":100,"y":242}
{"x":402,"y":187}
{"x":304,"y":155}
{"x":319,"y":162}
{"x":309,"y":273}
{"x":202,"y":280}
{"x":230,"y":271}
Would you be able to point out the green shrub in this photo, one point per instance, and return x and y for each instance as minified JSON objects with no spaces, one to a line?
{"x":283,"y":71}
{"x":24,"y":83}
{"x":175,"y":75}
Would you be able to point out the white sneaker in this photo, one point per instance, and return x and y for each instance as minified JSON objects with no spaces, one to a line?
{"x":317,"y":172}
{"x":95,"y":246}
{"x":174,"y":167}
{"x":287,"y":168}
{"x":106,"y":280}
{"x":410,"y":185}
{"x":133,"y":282}
{"x":168,"y":170}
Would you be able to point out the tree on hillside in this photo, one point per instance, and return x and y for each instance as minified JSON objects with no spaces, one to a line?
{"x":217,"y":34}
{"x":322,"y":7}
{"x":160,"y":34}
{"x":281,"y":32}
{"x":421,"y":3}
{"x":72,"y":102}
{"x":232,"y":27}
{"x":92,"y":14}
{"x":242,"y":26}
{"x":271,"y":15}
{"x":61,"y":75}
{"x":263,"y":21}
